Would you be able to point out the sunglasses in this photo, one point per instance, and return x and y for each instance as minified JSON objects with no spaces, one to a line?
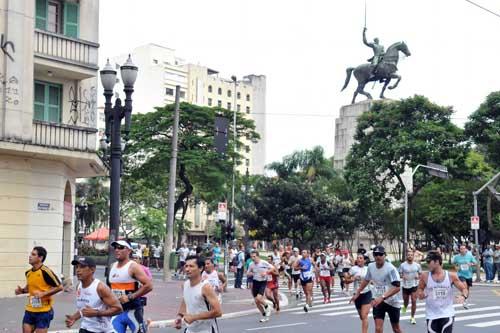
{"x":377,"y":254}
{"x":119,"y":247}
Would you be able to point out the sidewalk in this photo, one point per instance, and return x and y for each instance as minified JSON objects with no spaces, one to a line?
{"x":163,"y":303}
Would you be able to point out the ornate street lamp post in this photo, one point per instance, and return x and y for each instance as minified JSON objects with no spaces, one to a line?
{"x":113,"y":117}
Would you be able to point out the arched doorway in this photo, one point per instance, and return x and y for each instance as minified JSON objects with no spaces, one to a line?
{"x":67,"y":231}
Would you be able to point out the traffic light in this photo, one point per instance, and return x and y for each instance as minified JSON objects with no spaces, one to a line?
{"x":230,"y":232}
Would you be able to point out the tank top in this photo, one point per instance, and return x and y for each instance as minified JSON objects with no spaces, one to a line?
{"x":89,"y":297}
{"x":439,"y":302}
{"x":212,"y":279}
{"x":122,"y":283}
{"x":324,"y":269}
{"x":195,"y":303}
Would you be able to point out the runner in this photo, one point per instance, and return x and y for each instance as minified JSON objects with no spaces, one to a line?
{"x":124,"y":278}
{"x":41,"y":284}
{"x":248,"y":262}
{"x":357,"y":274}
{"x":306,"y":277}
{"x":95,"y":302}
{"x":316,"y":258}
{"x":386,"y":286}
{"x":157,"y":255}
{"x":183,"y":252}
{"x":339,"y":268}
{"x":346,"y":266}
{"x":216,"y":279}
{"x":285,"y":263}
{"x":324,"y":268}
{"x":464,"y":261}
{"x":435,"y":287}
{"x":199,"y":307}
{"x":410,"y":273}
{"x":330,"y":257}
{"x":272,"y":292}
{"x":259,"y":270}
{"x":295,"y":257}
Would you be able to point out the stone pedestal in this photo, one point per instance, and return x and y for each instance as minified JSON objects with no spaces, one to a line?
{"x":345,"y":128}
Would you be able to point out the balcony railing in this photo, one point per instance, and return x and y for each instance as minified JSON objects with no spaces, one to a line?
{"x":54,"y":135}
{"x":70,"y":50}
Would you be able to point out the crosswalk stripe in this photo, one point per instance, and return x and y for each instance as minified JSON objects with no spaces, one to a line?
{"x":419,"y":309}
{"x":485,"y":324}
{"x":320,"y":300}
{"x":487,"y":308}
{"x":486,"y":315}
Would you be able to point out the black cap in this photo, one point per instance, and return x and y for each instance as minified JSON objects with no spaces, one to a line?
{"x":379,"y":249}
{"x":84,"y":261}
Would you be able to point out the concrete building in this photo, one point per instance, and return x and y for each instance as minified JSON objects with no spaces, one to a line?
{"x":160,"y":70}
{"x":48,"y":71}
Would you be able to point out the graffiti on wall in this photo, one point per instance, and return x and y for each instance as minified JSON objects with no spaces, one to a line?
{"x":83,"y":103}
{"x":4,"y":44}
{"x":10,"y":86}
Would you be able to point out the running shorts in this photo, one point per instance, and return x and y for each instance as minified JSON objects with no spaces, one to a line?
{"x":409,"y":291}
{"x":383,"y":308}
{"x":306,"y":281}
{"x":272,"y":285}
{"x":442,"y":325}
{"x":327,"y":279}
{"x":468,"y":281}
{"x":39,"y":320}
{"x":259,"y":287}
{"x":295,"y":277}
{"x":133,"y":319}
{"x":364,"y":298}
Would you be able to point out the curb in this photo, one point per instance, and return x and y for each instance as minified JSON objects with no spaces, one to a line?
{"x":168,"y":323}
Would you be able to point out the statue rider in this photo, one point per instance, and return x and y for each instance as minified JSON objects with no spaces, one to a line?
{"x":378,"y":51}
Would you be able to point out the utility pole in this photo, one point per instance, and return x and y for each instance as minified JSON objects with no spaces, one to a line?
{"x":171,"y":191}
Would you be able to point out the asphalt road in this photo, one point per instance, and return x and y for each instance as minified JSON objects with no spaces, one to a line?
{"x":483,"y":316}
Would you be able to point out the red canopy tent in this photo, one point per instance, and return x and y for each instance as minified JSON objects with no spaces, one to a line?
{"x":101,"y":234}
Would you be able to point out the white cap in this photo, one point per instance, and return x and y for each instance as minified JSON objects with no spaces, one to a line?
{"x":122,"y":243}
{"x":296,"y":249}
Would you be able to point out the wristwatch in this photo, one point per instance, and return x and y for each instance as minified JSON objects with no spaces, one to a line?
{"x":383,"y":297}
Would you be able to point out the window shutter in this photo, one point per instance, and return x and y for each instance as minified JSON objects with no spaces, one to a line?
{"x":39,"y":101}
{"x":41,"y":14}
{"x":54,"y":104}
{"x":71,"y":19}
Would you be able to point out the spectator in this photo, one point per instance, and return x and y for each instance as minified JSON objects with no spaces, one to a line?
{"x":157,"y":255}
{"x":488,"y":264}
{"x":496,"y":261}
{"x":239,"y":266}
{"x":183,"y":253}
{"x":361,"y":249}
{"x":145,"y":255}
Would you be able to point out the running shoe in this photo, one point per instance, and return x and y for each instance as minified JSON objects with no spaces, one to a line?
{"x":329,"y":301}
{"x":296,"y":295}
{"x":413,"y":321}
{"x":403,"y":309}
{"x":263,"y":320}
{"x":306,"y":310}
{"x":324,"y":300}
{"x":466,"y":306}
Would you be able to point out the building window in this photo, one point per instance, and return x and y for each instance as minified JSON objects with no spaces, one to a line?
{"x":219,"y":104}
{"x":219,"y":91}
{"x":247,"y":149}
{"x":155,"y":61}
{"x":182,"y":94}
{"x":209,"y":89}
{"x":229,"y":106}
{"x":248,"y":97}
{"x":209,"y":102}
{"x":229,"y":93}
{"x":238,"y":107}
{"x":47,"y":104}
{"x":247,"y":162}
{"x":248,"y":109}
{"x":238,"y":95}
{"x":169,"y":91}
{"x":57,"y":16}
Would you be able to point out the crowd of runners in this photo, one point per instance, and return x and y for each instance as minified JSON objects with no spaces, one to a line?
{"x":377,"y":285}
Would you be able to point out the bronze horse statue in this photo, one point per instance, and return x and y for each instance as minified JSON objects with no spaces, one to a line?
{"x":384,"y":72}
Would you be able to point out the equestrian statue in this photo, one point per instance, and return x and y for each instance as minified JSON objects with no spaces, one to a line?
{"x":382,"y":67}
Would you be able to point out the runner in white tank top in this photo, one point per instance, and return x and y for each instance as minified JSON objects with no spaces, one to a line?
{"x":94,"y":300}
{"x":199,"y":306}
{"x":435,"y":287}
{"x":216,"y":279}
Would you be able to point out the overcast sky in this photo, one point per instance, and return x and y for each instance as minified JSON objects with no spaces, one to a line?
{"x":304,"y":47}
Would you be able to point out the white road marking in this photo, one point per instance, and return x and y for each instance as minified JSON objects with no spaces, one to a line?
{"x":275,"y":326}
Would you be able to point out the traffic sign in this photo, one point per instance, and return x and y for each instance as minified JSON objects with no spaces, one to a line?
{"x":474,"y":222}
{"x":222,"y":211}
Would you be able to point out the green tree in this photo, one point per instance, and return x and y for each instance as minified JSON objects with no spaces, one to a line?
{"x":94,"y":196}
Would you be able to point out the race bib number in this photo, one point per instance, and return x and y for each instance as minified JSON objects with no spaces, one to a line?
{"x":408,"y":283}
{"x":464,"y":267}
{"x":35,"y":302}
{"x":439,"y":293}
{"x":118,"y":292}
{"x":379,"y":290}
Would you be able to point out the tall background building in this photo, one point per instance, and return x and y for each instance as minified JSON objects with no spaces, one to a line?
{"x":160,"y":71}
{"x":47,"y":128}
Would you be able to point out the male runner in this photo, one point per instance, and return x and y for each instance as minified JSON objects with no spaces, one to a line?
{"x":216,"y":279}
{"x":386,"y":286}
{"x":436,"y":288}
{"x":199,"y":307}
{"x":95,"y":302}
{"x":306,"y":268}
{"x":41,"y":284}
{"x":259,"y":270}
{"x":272,"y":292}
{"x":324,"y":268}
{"x":285,"y":263}
{"x":465,"y":261}
{"x":357,"y":274}
{"x":183,"y":252}
{"x":124,"y":279}
{"x":295,"y":257}
{"x":410,"y":272}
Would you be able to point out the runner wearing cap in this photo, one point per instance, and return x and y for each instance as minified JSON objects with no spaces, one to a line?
{"x":95,"y":302}
{"x":41,"y":284}
{"x":295,"y":257}
{"x":410,"y":272}
{"x":436,"y":287}
{"x":324,"y":269}
{"x":124,"y":278}
{"x":357,"y":274}
{"x":386,"y":286}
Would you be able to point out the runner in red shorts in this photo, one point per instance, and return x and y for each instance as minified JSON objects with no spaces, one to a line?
{"x":272,"y":286}
{"x":324,"y":268}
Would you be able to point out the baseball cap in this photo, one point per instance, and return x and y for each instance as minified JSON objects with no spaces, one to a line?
{"x":84,"y":261}
{"x":296,"y":249}
{"x":379,"y":249}
{"x":122,"y":243}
